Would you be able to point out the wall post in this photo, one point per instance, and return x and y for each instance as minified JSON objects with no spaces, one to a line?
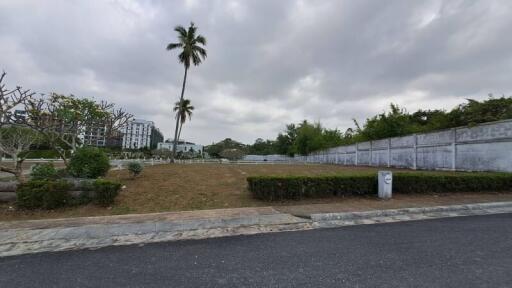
{"x":371,"y":154}
{"x":454,"y":149}
{"x":357,"y":148}
{"x":415,"y":151}
{"x":389,"y":152}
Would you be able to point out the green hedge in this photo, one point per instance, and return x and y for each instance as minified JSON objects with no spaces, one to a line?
{"x":51,"y":194}
{"x":274,"y":188}
{"x":43,"y":194}
{"x":105,"y":192}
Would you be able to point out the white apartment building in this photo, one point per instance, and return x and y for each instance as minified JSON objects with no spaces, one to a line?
{"x":94,"y":135}
{"x":141,"y":134}
{"x":182,"y":146}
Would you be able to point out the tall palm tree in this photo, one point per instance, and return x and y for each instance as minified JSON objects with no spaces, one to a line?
{"x":192,"y":52}
{"x":183,"y":110}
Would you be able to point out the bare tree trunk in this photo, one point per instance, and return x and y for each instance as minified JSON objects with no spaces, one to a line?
{"x":175,"y":144}
{"x":19,"y":171}
{"x":73,"y":145}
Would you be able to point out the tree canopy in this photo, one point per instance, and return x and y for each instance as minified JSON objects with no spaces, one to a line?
{"x":305,"y":137}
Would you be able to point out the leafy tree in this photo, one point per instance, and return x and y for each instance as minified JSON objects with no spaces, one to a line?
{"x":232,"y":154}
{"x":183,"y":109}
{"x":60,"y":119}
{"x":285,"y":140}
{"x":309,"y":138}
{"x":215,"y":149}
{"x":263,"y":147}
{"x":474,"y":112}
{"x":192,"y":52}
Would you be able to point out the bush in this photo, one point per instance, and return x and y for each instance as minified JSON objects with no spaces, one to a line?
{"x":280,"y":188}
{"x":89,"y":162}
{"x":45,"y":194}
{"x":135,"y":168}
{"x":44,"y":171}
{"x":105,"y":192}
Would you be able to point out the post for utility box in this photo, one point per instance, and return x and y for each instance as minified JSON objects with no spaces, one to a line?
{"x":385,"y":184}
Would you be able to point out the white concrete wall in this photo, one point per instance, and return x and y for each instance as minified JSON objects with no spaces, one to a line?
{"x":485,"y":147}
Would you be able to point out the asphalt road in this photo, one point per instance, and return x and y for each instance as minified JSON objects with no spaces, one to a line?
{"x":451,"y":252}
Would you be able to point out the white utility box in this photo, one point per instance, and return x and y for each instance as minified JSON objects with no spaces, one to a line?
{"x":385,"y":184}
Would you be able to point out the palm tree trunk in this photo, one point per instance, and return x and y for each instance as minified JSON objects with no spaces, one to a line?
{"x":179,"y":132}
{"x":174,"y":146}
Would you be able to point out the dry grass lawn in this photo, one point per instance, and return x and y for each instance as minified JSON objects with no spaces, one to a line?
{"x":197,"y":186}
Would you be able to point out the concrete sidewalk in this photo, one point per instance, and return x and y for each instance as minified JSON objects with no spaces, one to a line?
{"x":21,"y":237}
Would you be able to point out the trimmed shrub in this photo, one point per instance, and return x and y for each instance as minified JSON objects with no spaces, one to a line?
{"x":44,"y":171}
{"x":105,"y":192}
{"x":135,"y":168}
{"x":89,"y":162}
{"x":44,"y":194}
{"x":275,"y":188}
{"x":405,"y":183}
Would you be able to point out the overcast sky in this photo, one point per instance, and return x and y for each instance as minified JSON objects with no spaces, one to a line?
{"x":269,"y":62}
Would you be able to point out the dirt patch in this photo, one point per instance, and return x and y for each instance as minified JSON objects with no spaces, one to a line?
{"x":182,"y":187}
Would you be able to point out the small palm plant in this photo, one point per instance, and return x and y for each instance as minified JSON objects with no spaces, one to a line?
{"x":135,"y":169}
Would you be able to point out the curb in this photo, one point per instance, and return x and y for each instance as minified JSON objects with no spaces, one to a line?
{"x":451,"y":210}
{"x":27,"y":240}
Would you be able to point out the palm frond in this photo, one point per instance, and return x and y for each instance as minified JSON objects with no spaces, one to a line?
{"x":201,"y":40}
{"x":181,"y":30}
{"x":196,"y":59}
{"x":184,"y":58}
{"x":191,"y":32}
{"x":172,"y":46}
{"x":202,"y":52}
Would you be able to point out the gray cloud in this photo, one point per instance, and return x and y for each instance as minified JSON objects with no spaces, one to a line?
{"x":269,"y":63}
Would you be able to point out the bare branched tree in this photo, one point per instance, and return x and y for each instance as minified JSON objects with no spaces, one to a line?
{"x":116,"y":120}
{"x":15,"y":141}
{"x":10,"y":99}
{"x":42,"y":117}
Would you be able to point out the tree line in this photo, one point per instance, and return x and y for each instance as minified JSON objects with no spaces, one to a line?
{"x":306,"y":137}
